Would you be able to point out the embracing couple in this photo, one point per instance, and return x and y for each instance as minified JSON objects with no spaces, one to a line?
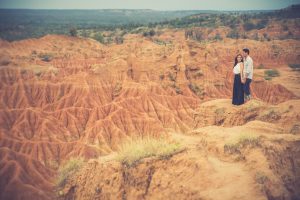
{"x":243,"y":73}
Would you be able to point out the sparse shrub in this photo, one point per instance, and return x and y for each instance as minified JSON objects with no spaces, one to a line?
{"x":99,"y":37}
{"x":235,"y":144}
{"x":46,"y":57}
{"x":199,"y":91}
{"x":249,"y":139}
{"x":159,"y":42}
{"x":149,"y":33}
{"x":188,"y":33}
{"x":198,"y":36}
{"x":73,"y":32}
{"x":270,"y":115}
{"x":68,"y":169}
{"x":198,"y":74}
{"x":218,"y":37}
{"x":194,"y":34}
{"x":134,"y":150}
{"x":178,"y":90}
{"x":172,"y":77}
{"x":248,"y":26}
{"x":119,"y":40}
{"x":84,"y":33}
{"x":262,"y":24}
{"x":270,"y":73}
{"x":266,"y":36}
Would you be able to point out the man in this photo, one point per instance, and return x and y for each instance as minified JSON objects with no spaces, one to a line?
{"x":248,"y":71}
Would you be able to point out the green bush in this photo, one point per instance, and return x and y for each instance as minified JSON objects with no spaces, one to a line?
{"x":46,"y":57}
{"x":249,"y":26}
{"x":99,"y":37}
{"x":234,"y":144}
{"x":199,"y":91}
{"x":149,"y":33}
{"x":270,"y":73}
{"x":218,"y":37}
{"x":134,"y":150}
{"x":73,"y":32}
{"x":178,"y":90}
{"x":172,"y":77}
{"x":68,"y":169}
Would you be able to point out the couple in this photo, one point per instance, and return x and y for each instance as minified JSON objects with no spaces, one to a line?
{"x":243,"y":73}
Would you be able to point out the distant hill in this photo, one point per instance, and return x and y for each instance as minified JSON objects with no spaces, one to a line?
{"x":17,"y":24}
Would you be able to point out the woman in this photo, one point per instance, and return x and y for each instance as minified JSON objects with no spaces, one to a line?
{"x":238,"y":85}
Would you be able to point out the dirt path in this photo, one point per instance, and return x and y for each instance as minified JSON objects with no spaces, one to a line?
{"x":224,"y":180}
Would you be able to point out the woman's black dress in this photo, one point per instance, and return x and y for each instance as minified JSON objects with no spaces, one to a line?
{"x":238,"y":90}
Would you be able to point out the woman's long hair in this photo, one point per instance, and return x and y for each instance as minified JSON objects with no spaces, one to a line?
{"x":236,"y":60}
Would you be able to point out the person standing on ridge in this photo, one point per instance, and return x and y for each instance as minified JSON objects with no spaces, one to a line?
{"x":248,"y":73}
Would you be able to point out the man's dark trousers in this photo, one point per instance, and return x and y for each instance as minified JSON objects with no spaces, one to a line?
{"x":247,"y":86}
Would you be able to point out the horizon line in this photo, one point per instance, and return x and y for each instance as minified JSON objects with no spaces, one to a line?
{"x":142,"y":9}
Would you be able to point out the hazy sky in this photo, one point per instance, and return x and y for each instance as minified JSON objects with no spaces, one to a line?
{"x":150,"y":4}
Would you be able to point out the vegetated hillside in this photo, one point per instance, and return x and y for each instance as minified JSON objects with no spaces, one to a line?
{"x":16,"y":24}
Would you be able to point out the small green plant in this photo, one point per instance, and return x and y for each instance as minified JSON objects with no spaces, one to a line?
{"x":270,"y":73}
{"x":46,"y":57}
{"x":73,"y":32}
{"x":199,"y":91}
{"x":178,"y":90}
{"x":270,"y":115}
{"x":134,"y":150}
{"x":149,"y":33}
{"x":198,"y":74}
{"x":68,"y":169}
{"x":159,"y":42}
{"x":172,"y":77}
{"x":218,"y":37}
{"x":236,"y":143}
{"x":119,"y":40}
{"x":99,"y":37}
